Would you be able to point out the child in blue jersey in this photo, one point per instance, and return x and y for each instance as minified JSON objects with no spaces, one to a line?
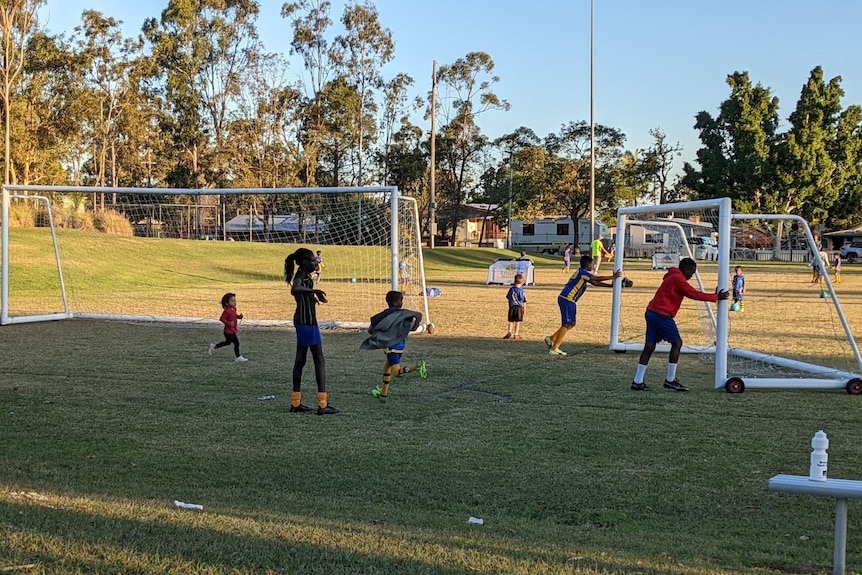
{"x":738,"y":283}
{"x":836,"y":267}
{"x":318,"y":272}
{"x":395,"y":299}
{"x":517,"y":306}
{"x":568,"y":300}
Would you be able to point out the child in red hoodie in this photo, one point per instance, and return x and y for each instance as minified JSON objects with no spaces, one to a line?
{"x":661,"y":325}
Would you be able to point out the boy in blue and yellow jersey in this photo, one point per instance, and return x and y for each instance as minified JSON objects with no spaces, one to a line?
{"x":568,"y":300}
{"x":393,"y":323}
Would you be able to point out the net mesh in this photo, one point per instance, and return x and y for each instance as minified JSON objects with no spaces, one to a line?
{"x":171,"y":256}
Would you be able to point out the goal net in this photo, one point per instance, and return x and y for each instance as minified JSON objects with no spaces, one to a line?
{"x":788,"y":329}
{"x":169,"y":255}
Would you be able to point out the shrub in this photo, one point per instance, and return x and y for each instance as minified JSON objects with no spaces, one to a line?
{"x":22,"y":215}
{"x":112,"y":222}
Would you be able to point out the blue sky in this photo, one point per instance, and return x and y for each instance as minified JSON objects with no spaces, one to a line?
{"x":657,"y":63}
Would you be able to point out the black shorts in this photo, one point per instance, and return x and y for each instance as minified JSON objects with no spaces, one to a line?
{"x":516,"y":313}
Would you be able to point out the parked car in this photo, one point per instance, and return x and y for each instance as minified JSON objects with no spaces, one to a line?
{"x":851,"y":252}
{"x":703,"y":248}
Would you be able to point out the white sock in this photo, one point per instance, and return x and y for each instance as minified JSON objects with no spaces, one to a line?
{"x":671,"y":371}
{"x":640,"y":373}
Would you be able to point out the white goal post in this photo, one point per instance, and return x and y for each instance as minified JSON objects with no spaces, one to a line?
{"x":168,"y":255}
{"x":794,"y":333}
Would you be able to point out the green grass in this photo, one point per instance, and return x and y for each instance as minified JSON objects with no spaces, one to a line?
{"x":104,"y":425}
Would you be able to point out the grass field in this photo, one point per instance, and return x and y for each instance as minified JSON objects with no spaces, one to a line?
{"x":104,"y":425}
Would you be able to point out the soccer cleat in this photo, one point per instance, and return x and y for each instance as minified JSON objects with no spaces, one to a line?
{"x":300,"y":409}
{"x":212,"y":348}
{"x":378,"y":393}
{"x":548,"y":341}
{"x":557,"y":352}
{"x":675,"y":385}
{"x":328,"y":410}
{"x":508,"y":336}
{"x":423,"y":370}
{"x":640,"y":387}
{"x":241,"y":359}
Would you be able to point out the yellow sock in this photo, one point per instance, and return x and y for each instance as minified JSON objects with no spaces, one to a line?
{"x":385,"y":389}
{"x":296,"y":398}
{"x":559,"y":336}
{"x":404,"y":370}
{"x":321,"y":399}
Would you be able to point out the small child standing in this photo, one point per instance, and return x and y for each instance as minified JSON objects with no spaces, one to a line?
{"x":230,"y":319}
{"x":389,"y":330}
{"x":738,"y":283}
{"x":404,"y":273}
{"x":318,"y":272}
{"x":660,"y":324}
{"x":517,"y":306}
{"x":836,"y":265}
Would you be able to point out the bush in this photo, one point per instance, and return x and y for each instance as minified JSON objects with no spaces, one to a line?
{"x":22,"y":215}
{"x":112,"y":222}
{"x":73,"y":219}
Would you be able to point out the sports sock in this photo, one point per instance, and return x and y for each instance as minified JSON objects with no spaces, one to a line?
{"x":640,"y":373}
{"x":408,"y":369}
{"x":558,"y":337}
{"x":296,"y":398}
{"x":671,"y":371}
{"x":321,"y":399}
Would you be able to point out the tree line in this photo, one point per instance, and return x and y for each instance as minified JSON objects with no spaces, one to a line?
{"x":195,"y":100}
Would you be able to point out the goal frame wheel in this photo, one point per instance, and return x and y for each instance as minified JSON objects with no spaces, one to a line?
{"x":734,"y":385}
{"x":854,"y":386}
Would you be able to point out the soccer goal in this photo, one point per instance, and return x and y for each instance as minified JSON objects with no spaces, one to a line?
{"x":789,"y":331}
{"x":169,"y":255}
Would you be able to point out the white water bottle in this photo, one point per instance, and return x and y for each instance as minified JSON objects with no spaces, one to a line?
{"x":819,"y":457}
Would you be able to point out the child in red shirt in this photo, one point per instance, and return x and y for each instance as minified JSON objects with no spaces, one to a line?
{"x":229,"y":318}
{"x":661,"y":325}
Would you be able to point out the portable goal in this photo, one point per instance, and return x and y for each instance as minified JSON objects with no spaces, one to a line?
{"x":174,"y":253}
{"x":791,"y":331}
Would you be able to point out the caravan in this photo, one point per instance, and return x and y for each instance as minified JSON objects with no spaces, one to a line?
{"x":551,"y":235}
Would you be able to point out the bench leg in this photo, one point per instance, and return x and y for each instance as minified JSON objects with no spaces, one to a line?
{"x":840,"y":537}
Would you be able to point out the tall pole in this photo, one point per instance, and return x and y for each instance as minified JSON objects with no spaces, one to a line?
{"x":592,"y":124}
{"x":509,"y":220}
{"x":433,"y":206}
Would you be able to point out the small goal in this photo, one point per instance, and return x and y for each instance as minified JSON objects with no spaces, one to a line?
{"x":168,"y":255}
{"x":790,"y":330}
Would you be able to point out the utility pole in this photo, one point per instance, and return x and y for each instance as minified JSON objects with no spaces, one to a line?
{"x":509,"y":222}
{"x":592,"y":125}
{"x":433,"y":206}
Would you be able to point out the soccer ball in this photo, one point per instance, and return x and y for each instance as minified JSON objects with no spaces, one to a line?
{"x":353,"y":280}
{"x":430,"y":328}
{"x":734,"y":307}
{"x":824,"y":294}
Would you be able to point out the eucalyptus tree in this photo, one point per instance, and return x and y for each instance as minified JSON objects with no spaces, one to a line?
{"x":203,"y":46}
{"x":18,"y":22}
{"x":310,"y":20}
{"x":465,"y":92}
{"x":397,"y":129}
{"x":366,"y":47}
{"x":846,"y":211}
{"x":109,"y":60}
{"x":568,"y":172}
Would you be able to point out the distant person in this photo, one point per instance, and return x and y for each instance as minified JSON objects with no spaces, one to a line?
{"x":230,"y":318}
{"x":836,"y":267}
{"x":660,"y":324}
{"x":523,"y":266}
{"x":517,"y":306}
{"x":404,"y":273}
{"x":307,"y":330}
{"x":389,"y":330}
{"x":567,"y":259}
{"x":821,"y":264}
{"x":568,"y":301}
{"x":597,"y":248}
{"x":318,"y":272}
{"x":738,"y":284}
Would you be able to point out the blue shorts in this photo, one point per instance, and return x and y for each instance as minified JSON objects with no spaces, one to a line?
{"x":568,"y":311}
{"x":661,"y":327}
{"x":393,"y":357}
{"x":308,"y":335}
{"x":738,"y":296}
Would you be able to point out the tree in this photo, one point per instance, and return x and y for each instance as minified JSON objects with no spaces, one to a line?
{"x":465,"y":88}
{"x":17,"y":23}
{"x":658,"y":164}
{"x":366,"y":48}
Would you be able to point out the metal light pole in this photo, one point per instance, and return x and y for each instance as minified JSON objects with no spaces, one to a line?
{"x":509,"y":222}
{"x":433,"y":206}
{"x":592,"y":125}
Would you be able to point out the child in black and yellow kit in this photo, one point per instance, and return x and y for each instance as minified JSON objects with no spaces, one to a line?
{"x":389,"y":330}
